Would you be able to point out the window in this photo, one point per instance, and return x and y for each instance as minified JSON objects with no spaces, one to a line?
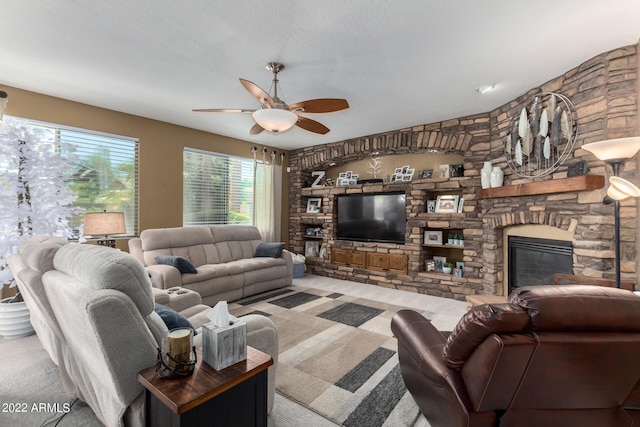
{"x":105,"y":175}
{"x":217,"y":188}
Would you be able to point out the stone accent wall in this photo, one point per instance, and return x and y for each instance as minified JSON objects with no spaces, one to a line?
{"x":604,"y":91}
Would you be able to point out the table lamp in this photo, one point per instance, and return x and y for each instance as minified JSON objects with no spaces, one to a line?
{"x":615,"y":152}
{"x":104,"y":223}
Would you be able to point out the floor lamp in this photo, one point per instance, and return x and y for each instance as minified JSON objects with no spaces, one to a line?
{"x":615,"y":152}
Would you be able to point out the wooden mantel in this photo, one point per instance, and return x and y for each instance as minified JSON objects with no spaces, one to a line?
{"x":562,"y":185}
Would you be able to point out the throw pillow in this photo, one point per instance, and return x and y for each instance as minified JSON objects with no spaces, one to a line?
{"x":269,"y":250}
{"x":172,"y":318}
{"x":178,"y":262}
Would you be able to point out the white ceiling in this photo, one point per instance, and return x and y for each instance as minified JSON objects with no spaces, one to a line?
{"x":398,"y":63}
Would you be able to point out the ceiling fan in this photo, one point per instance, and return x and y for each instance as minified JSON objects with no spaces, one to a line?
{"x":274,"y":115}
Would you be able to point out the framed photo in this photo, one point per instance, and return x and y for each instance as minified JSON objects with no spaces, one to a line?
{"x":312,"y":248}
{"x":460,"y":265}
{"x":433,"y":237}
{"x":323,"y":251}
{"x":439,"y":262}
{"x":426,"y":173}
{"x":429,"y":265}
{"x":446,"y":203}
{"x":313,"y":204}
{"x":397,"y":171}
{"x":431,"y":205}
{"x":408,"y":176}
{"x":461,"y":206}
{"x":458,"y":272}
{"x":444,"y":171}
{"x":342,"y":175}
{"x":405,"y":169}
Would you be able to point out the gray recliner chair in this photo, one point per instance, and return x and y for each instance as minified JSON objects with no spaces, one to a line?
{"x":103,"y":304}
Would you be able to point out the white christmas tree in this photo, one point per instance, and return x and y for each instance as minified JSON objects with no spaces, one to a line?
{"x":34,"y":199}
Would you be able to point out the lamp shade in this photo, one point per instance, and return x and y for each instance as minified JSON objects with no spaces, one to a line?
{"x":620,"y":189}
{"x":103,"y":223}
{"x":275,"y":119}
{"x":614,"y":149}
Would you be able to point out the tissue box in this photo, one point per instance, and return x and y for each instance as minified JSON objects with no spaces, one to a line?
{"x":222,"y":347}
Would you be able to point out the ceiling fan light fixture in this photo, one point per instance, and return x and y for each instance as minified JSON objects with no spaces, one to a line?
{"x":274,"y":119}
{"x":485,"y":88}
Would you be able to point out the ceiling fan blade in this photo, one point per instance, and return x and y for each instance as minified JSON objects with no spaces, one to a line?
{"x":256,"y":129}
{"x":320,"y":105}
{"x":223,"y":110}
{"x":311,"y":125}
{"x":257,"y":93}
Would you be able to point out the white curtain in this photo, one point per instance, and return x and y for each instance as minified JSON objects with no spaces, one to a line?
{"x":267,"y":195}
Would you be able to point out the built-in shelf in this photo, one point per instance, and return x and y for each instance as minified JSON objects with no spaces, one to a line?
{"x":562,"y":185}
{"x":461,"y":247}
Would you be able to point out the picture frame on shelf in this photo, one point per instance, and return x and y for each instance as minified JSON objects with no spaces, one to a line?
{"x":312,"y":248}
{"x":323,"y":251}
{"x":460,"y":265}
{"x":433,"y":237}
{"x":426,"y":174}
{"x":444,"y":171}
{"x":458,"y":272}
{"x":409,"y":175}
{"x":431,"y":206}
{"x":314,"y":204}
{"x":439,"y":262}
{"x":461,"y":205}
{"x":429,"y":265}
{"x":447,"y":203}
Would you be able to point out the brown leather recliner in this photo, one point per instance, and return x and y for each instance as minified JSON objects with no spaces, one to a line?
{"x":551,"y":356}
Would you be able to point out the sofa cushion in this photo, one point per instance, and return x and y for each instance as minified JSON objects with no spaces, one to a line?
{"x":172,"y":318}
{"x":269,"y":250}
{"x":210,"y":271}
{"x":178,"y":262}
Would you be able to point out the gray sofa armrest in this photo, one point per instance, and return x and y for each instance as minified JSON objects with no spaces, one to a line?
{"x":161,"y":296}
{"x":164,"y":276}
{"x":181,"y":299}
{"x":286,"y":255}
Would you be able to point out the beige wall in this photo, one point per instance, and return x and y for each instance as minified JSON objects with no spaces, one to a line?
{"x":161,"y":145}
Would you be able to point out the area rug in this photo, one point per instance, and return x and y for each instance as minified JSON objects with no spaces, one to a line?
{"x":337,"y":355}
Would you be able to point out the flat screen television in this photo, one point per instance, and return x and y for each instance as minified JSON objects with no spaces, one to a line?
{"x":379,"y":217}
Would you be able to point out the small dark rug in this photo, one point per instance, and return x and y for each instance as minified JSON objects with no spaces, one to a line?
{"x":337,"y":355}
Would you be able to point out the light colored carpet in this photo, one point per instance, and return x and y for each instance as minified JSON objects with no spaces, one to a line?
{"x":337,"y":355}
{"x":28,"y":376}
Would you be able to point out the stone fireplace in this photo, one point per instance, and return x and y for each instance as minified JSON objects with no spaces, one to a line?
{"x":578,"y":218}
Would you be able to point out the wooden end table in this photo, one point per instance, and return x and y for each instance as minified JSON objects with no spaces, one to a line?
{"x":234,"y":396}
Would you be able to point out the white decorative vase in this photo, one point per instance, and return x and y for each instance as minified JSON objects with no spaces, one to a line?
{"x":485,"y":175}
{"x":497,"y":177}
{"x":14,"y":319}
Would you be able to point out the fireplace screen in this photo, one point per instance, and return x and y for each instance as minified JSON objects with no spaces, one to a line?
{"x":534,"y":261}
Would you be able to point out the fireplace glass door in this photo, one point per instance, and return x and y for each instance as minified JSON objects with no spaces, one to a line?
{"x":534,"y":261}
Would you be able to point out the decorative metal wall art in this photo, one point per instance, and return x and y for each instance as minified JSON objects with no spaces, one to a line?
{"x":542,"y":137}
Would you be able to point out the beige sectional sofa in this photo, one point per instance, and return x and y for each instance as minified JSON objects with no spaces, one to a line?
{"x":94,"y":311}
{"x":223,"y":255}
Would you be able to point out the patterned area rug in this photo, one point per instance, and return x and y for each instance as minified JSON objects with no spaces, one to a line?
{"x":337,"y":355}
